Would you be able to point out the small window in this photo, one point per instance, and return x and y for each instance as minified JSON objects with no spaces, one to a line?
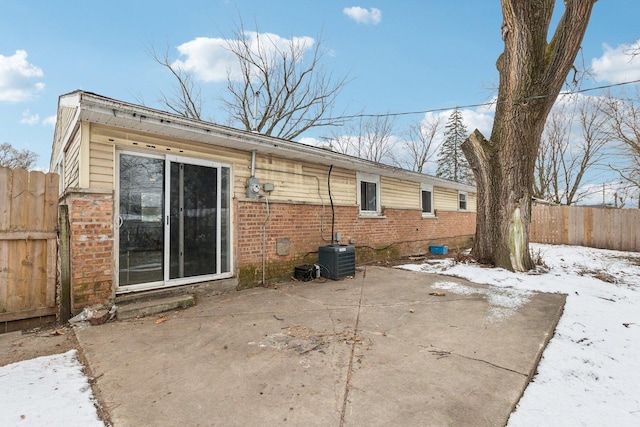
{"x":462,"y":201}
{"x":369,"y":193}
{"x":426,"y":199}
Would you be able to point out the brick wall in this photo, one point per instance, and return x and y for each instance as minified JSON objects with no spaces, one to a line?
{"x":397,"y":233}
{"x":293,"y":235}
{"x":91,"y":246}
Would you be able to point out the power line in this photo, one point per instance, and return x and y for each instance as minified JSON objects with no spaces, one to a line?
{"x":484,"y":104}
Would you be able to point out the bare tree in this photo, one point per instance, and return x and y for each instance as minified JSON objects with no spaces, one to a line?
{"x":418,"y":147}
{"x":281,"y":90}
{"x":564,"y":158}
{"x":553,"y":147}
{"x":624,"y":124}
{"x":532,"y":71}
{"x":186,"y":97}
{"x":370,"y":138}
{"x":289,"y":85}
{"x":13,"y":158}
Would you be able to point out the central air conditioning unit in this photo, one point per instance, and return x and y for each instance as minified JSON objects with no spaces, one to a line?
{"x":337,"y":261}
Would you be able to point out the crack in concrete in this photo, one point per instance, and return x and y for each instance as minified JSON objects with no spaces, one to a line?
{"x":445,"y":353}
{"x":347,"y":386}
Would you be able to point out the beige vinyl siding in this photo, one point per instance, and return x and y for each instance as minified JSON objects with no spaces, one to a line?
{"x":300,"y":182}
{"x":472,"y":202}
{"x":63,"y":121}
{"x":343,"y":183}
{"x":293,"y":181}
{"x":72,"y":162}
{"x":105,"y":140}
{"x":101,"y":164}
{"x":398,"y":194}
{"x":445,"y":199}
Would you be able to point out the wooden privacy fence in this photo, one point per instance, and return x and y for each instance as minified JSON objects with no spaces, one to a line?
{"x":617,"y":229}
{"x":28,"y":244}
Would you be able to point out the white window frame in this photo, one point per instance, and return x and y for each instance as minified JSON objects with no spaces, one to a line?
{"x":372,"y":178}
{"x":429,"y":188}
{"x":461,"y":195}
{"x":167,"y":282}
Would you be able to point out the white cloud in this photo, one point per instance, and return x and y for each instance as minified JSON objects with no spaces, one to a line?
{"x":17,"y":78}
{"x":28,"y":118}
{"x":363,"y":16}
{"x":210,"y":59}
{"x":619,"y":64}
{"x":480,"y":118}
{"x":50,"y":121}
{"x":308,"y":140}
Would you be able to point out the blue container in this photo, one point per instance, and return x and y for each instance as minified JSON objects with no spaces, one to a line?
{"x":439,"y":250}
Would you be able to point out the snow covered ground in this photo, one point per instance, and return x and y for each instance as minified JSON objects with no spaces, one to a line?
{"x":589,"y":374}
{"x":590,"y":371}
{"x":47,"y":391}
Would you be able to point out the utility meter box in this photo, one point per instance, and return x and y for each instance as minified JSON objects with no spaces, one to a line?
{"x":253,"y":188}
{"x":337,"y":261}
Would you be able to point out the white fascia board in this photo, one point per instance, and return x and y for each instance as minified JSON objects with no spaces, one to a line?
{"x":69,"y":100}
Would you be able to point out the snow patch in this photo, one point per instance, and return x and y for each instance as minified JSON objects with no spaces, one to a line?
{"x":47,"y":391}
{"x":504,"y":302}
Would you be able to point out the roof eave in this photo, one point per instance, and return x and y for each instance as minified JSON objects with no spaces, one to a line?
{"x":107,"y":111}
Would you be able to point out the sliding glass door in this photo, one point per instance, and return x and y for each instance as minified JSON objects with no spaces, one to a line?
{"x":140,"y":220}
{"x":173,"y":221}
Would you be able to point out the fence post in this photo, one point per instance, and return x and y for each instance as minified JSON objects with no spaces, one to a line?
{"x":65,"y":266}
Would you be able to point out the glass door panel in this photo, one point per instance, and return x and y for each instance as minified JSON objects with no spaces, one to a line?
{"x":141,"y":225}
{"x":225,"y":220}
{"x":193,"y":220}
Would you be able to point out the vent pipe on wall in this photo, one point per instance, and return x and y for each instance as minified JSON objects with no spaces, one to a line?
{"x":253,"y":183}
{"x":253,"y":163}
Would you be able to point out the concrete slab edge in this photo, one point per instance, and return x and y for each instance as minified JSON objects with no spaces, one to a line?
{"x":534,"y":368}
{"x":154,"y":306}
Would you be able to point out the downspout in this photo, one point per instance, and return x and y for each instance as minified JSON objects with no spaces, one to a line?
{"x":333,"y":212}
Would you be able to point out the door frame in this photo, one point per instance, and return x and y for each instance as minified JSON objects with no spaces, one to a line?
{"x":166,"y":282}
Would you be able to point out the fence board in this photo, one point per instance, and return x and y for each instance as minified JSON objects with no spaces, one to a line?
{"x":28,"y":244}
{"x":19,"y":201}
{"x":52,"y":273}
{"x":5,"y":192}
{"x":35,"y":195}
{"x":50,"y":215}
{"x":617,"y":229}
{"x":4,"y":275}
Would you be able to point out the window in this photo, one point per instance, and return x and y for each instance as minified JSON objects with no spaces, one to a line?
{"x":369,"y":193}
{"x":462,"y":201}
{"x":426,"y":199}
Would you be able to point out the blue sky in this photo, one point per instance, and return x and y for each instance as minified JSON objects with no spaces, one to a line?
{"x":401,"y":55}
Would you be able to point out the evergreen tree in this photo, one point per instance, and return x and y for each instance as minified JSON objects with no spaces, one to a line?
{"x":452,"y":164}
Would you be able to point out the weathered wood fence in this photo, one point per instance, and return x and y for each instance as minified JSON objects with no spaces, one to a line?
{"x":28,"y":244}
{"x":617,"y":229}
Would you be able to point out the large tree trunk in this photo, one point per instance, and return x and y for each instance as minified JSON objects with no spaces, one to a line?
{"x":532,"y":73}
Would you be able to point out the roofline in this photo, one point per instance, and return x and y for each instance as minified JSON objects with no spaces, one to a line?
{"x":93,"y":106}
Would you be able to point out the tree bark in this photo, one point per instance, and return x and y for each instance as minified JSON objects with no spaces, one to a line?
{"x":532,"y":72}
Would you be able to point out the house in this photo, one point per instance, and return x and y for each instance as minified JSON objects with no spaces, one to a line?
{"x":157,"y":200}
